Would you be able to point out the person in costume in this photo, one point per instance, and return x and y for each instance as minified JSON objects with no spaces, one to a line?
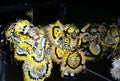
{"x":111,"y":40}
{"x":31,"y":47}
{"x":73,"y":60}
{"x":65,"y":39}
{"x":39,"y":57}
{"x":16,"y":34}
{"x":56,"y":36}
{"x":90,"y":41}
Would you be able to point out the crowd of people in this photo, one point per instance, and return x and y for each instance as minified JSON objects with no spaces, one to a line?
{"x":65,"y":44}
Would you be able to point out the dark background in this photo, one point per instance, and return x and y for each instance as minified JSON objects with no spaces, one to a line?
{"x":46,"y":12}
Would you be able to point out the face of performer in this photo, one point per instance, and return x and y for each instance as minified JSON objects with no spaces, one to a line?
{"x":34,"y":33}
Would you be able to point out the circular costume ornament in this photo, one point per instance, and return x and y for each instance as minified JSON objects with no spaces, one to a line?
{"x":37,"y":72}
{"x":55,"y":32}
{"x":73,"y":62}
{"x":94,"y":48}
{"x":57,"y":53}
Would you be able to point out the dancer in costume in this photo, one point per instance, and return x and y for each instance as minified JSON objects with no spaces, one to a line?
{"x":65,"y":39}
{"x":90,"y":42}
{"x":16,"y":34}
{"x":30,"y":46}
{"x":73,"y":60}
{"x":39,"y":57}
{"x":55,"y":36}
{"x":111,"y":39}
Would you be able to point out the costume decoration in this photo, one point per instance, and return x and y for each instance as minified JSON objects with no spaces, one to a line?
{"x":57,"y":54}
{"x":94,"y":48}
{"x":21,"y":51}
{"x":34,"y":71}
{"x":73,"y":62}
{"x":55,"y":32}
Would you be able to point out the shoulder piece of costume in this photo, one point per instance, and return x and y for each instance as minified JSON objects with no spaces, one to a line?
{"x":21,"y":25}
{"x":55,"y":32}
{"x":57,"y":54}
{"x":112,"y":38}
{"x":21,"y":28}
{"x":22,"y":50}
